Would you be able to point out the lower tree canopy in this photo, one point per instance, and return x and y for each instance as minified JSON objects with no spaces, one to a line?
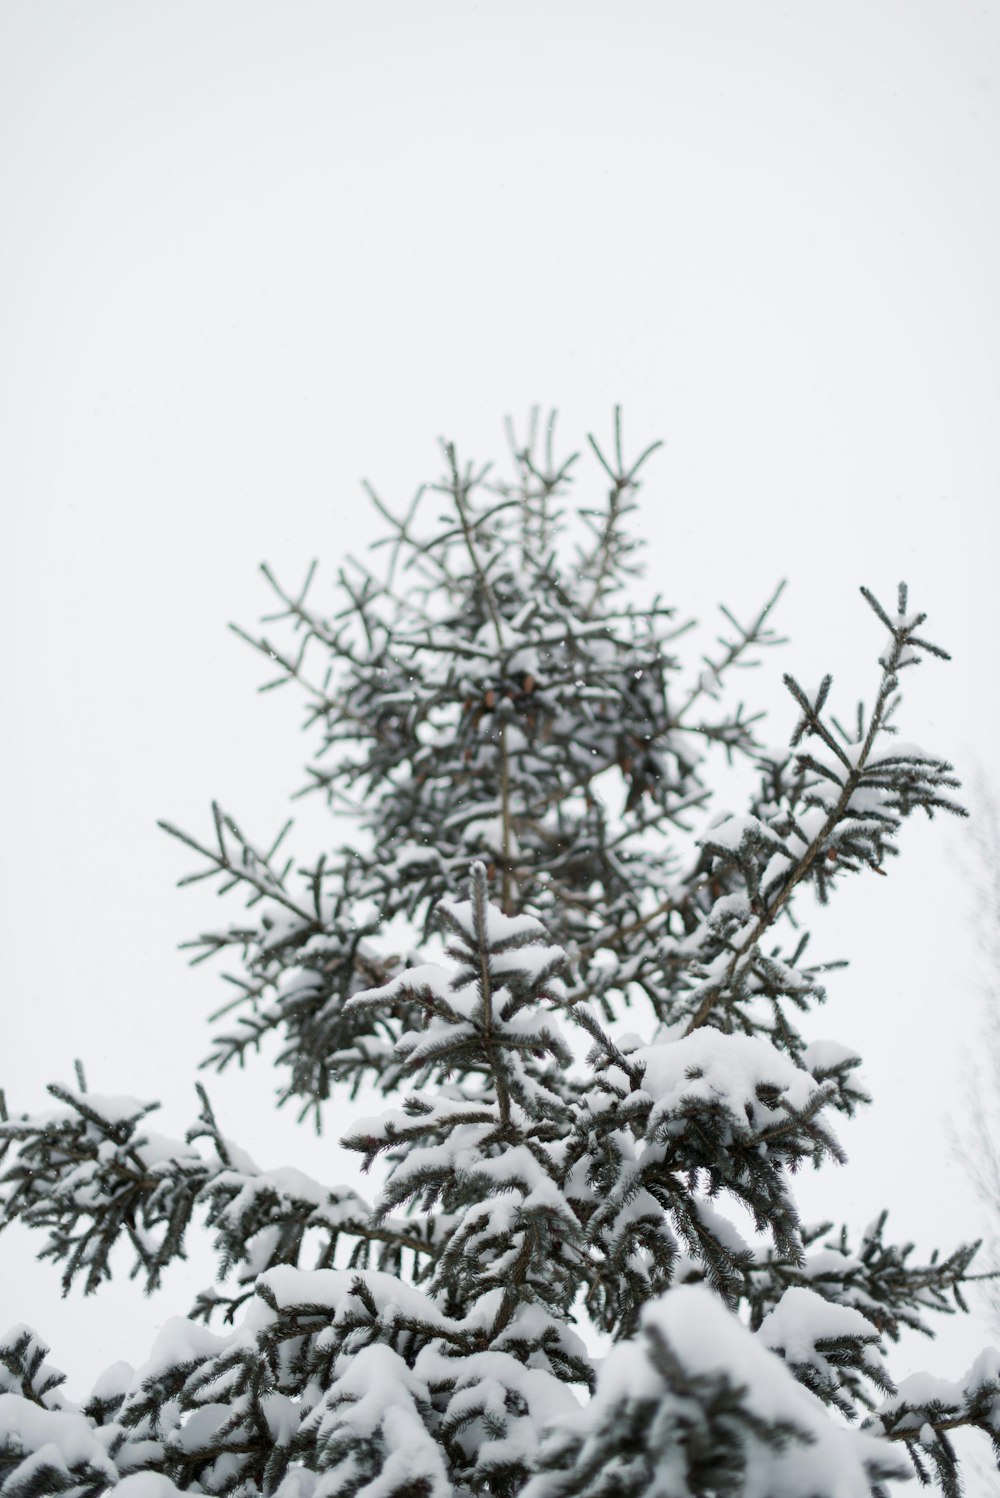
{"x":584,"y":1274}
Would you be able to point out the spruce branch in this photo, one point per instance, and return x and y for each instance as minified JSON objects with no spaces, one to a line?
{"x":599,"y":563}
{"x":253,"y":868}
{"x":902,"y":651}
{"x":711,"y":677}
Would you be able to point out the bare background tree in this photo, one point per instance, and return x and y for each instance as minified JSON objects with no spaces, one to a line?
{"x":977,"y":1135}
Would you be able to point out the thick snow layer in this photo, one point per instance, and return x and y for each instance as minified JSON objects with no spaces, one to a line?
{"x":733,"y":831}
{"x":802,"y":1318}
{"x":333,"y":1290}
{"x":31,"y":1347}
{"x":113,"y":1382}
{"x":828,"y":1055}
{"x":428,"y":977}
{"x":500,"y":928}
{"x":113,"y":1109}
{"x":178,"y":1342}
{"x":927,"y":1389}
{"x":377,"y":1395}
{"x":147,"y":1485}
{"x":331,"y":1207}
{"x":725,"y":1070}
{"x":51,"y":1437}
{"x":707,"y":1339}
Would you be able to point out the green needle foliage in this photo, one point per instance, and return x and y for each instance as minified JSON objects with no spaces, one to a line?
{"x":597,"y":1054}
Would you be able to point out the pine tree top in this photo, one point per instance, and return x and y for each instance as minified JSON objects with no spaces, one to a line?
{"x":596,"y":1055}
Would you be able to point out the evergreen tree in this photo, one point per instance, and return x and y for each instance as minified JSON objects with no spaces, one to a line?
{"x":529,"y":764}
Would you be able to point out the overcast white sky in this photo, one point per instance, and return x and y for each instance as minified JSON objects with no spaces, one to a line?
{"x":253,"y":251}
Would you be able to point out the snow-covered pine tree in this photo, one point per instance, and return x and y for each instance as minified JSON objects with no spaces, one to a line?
{"x":599,"y":1049}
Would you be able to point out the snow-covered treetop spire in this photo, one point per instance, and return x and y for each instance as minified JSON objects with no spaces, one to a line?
{"x":498,"y":691}
{"x":490,"y":688}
